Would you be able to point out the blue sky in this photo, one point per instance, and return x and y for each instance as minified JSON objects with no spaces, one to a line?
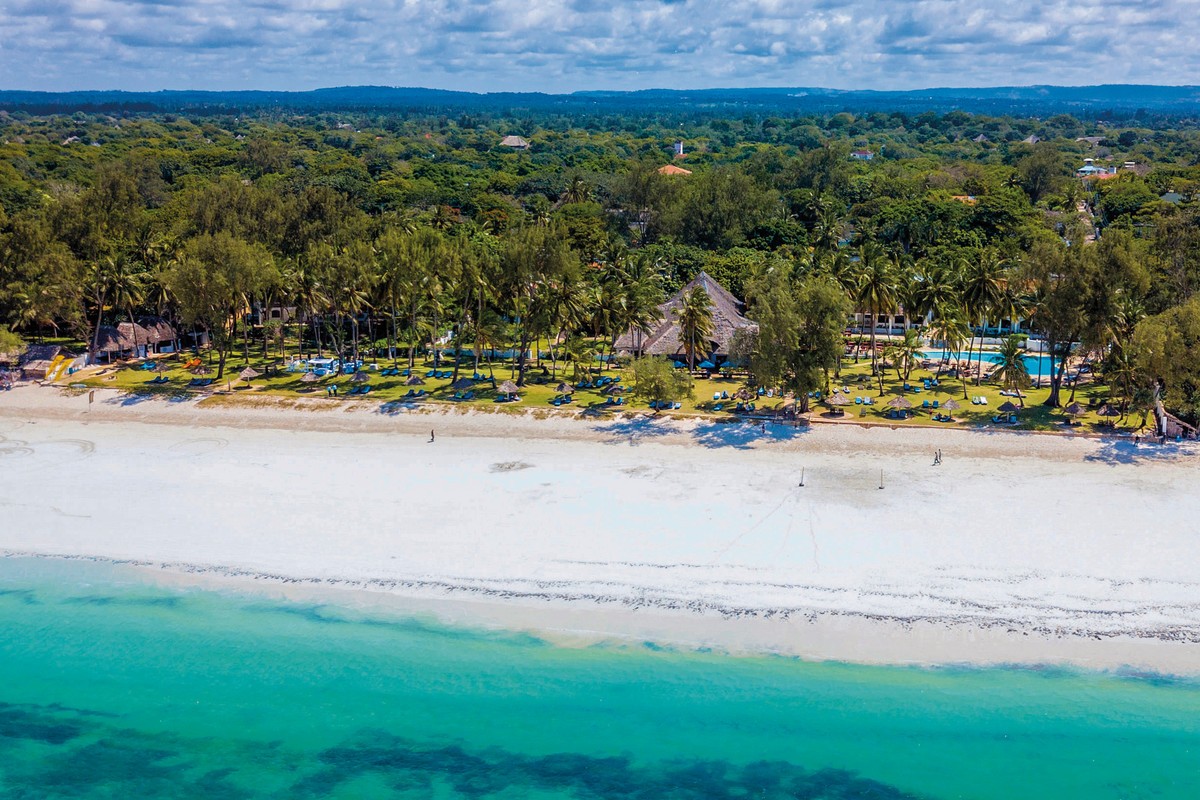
{"x":567,"y":45}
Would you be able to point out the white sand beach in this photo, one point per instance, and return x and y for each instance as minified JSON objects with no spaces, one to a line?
{"x":1017,"y":548}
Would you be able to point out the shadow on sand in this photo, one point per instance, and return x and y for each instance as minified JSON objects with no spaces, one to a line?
{"x":740,"y":434}
{"x":139,"y":396}
{"x":1124,"y":451}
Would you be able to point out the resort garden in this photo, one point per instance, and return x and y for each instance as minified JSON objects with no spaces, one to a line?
{"x":428,"y":254}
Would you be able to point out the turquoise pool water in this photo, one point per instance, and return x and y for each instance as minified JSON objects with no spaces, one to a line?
{"x":1036,"y":364}
{"x":110,"y":688}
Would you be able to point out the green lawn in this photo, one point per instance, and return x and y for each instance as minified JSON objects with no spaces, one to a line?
{"x":540,"y":390}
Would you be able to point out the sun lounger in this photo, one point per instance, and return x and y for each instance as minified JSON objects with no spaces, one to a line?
{"x":430,"y":374}
{"x":718,"y":407}
{"x":366,"y":389}
{"x":620,"y":401}
{"x":924,"y":404}
{"x":469,"y":396}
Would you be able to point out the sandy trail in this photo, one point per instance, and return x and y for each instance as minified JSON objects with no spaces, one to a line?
{"x":695,"y":527}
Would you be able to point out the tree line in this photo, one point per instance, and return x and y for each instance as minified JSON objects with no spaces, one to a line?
{"x":418,"y":231}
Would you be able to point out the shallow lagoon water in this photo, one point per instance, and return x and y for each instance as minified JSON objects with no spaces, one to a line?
{"x":113,"y":687}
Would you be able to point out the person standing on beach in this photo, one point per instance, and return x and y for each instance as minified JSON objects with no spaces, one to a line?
{"x":431,"y":437}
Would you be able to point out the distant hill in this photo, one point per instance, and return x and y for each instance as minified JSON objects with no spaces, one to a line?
{"x":1083,"y":101}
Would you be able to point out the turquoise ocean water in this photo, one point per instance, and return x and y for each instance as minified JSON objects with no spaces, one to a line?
{"x":113,"y":688}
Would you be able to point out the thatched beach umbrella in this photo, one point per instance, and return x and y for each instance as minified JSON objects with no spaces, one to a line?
{"x":415,"y":380}
{"x":248,"y":374}
{"x":839,"y":399}
{"x":951,"y":405}
{"x":462,"y":383}
{"x":201,"y":370}
{"x":1109,"y":411}
{"x":508,"y":387}
{"x":161,"y":366}
{"x":1074,"y":409}
{"x":360,"y":377}
{"x":1009,"y":408}
{"x":564,"y":388}
{"x":310,"y":377}
{"x":899,"y":402}
{"x":614,"y":388}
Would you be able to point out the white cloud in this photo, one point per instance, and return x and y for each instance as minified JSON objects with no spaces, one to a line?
{"x":564,"y":45}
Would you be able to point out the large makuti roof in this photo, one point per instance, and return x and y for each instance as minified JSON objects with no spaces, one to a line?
{"x":664,"y":340}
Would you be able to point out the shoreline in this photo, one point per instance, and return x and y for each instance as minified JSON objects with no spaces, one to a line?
{"x":685,"y":533}
{"x":840,"y":637}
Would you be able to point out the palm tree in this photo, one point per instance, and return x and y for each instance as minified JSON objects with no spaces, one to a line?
{"x":1011,"y":369}
{"x":982,"y":288}
{"x":577,"y":192}
{"x":642,"y":296}
{"x":99,"y":279}
{"x":951,"y":329}
{"x":566,"y":308}
{"x":695,"y":322}
{"x":904,"y":353}
{"x":126,"y":287}
{"x":875,"y":292}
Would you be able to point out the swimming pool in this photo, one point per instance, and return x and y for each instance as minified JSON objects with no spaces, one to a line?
{"x":1036,"y":364}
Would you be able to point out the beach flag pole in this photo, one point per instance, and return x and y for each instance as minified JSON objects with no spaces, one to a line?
{"x":802,"y":476}
{"x":880,"y":479}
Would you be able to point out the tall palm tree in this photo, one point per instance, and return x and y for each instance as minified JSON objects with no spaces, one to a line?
{"x":1011,"y":369}
{"x":982,"y":287}
{"x":642,"y":296}
{"x":949,"y":326}
{"x":99,"y":280}
{"x":875,"y":292}
{"x":126,"y":289}
{"x":695,"y":322}
{"x":904,"y":353}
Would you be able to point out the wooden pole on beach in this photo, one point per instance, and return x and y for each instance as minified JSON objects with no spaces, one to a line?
{"x":802,"y":476}
{"x":880,"y":479}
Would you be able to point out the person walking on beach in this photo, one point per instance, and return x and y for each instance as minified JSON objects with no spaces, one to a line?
{"x":431,"y":437}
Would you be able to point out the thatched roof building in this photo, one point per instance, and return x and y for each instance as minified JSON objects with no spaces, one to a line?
{"x":664,"y":340}
{"x":158,"y":330}
{"x":35,"y":362}
{"x":120,"y":339}
{"x":518,"y":142}
{"x":147,"y":336}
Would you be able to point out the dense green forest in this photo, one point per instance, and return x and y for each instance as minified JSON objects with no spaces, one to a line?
{"x":390,"y":229}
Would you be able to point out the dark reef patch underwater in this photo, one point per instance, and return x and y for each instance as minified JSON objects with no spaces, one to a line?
{"x":111,"y":687}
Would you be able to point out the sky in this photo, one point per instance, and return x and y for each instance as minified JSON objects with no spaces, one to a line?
{"x":570,"y":45}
